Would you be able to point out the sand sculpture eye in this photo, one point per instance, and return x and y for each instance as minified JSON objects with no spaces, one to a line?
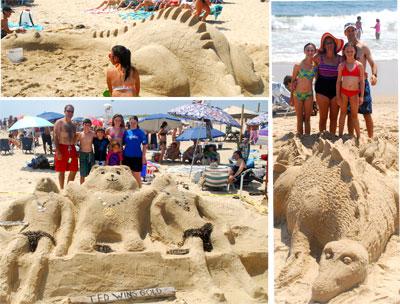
{"x":328,"y":254}
{"x":347,"y":260}
{"x":118,"y":172}
{"x":102,"y":172}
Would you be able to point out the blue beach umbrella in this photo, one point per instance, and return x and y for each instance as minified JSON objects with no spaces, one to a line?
{"x":198,"y":133}
{"x":152,"y":123}
{"x":259,"y":120}
{"x":78,"y":119}
{"x":30,"y":122}
{"x":204,"y":112}
{"x":51,"y":116}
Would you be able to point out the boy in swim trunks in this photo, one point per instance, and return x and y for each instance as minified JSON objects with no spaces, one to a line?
{"x":66,"y":157}
{"x":86,"y":157}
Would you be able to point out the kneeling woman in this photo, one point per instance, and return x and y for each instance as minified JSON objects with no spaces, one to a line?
{"x":122,"y":80}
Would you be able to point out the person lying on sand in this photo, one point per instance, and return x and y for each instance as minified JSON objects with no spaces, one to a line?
{"x":126,"y":4}
{"x":202,"y":5}
{"x":149,"y":5}
{"x":5,"y":30}
{"x":107,"y":4}
{"x":169,"y":3}
{"x":123,"y":79}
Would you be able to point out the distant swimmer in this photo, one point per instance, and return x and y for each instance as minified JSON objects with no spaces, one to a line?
{"x":377,"y":28}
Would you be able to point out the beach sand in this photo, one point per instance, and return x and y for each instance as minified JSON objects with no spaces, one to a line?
{"x":381,"y":285}
{"x":68,"y":70}
{"x":246,"y":217}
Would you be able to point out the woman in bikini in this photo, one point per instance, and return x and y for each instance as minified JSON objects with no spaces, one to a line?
{"x":162,"y":139}
{"x":202,"y":5}
{"x":350,"y":87}
{"x":303,"y":75}
{"x":327,"y":61}
{"x":115,"y":133}
{"x":123,"y":79}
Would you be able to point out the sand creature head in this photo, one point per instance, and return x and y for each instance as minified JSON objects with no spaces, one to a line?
{"x":343,"y":265}
{"x":46,"y":184}
{"x":118,"y":178}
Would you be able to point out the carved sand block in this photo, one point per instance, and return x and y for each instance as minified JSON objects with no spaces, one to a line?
{"x":346,"y":218}
{"x":51,"y":223}
{"x":176,"y":54}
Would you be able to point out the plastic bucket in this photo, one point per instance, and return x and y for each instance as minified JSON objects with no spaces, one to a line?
{"x":15,"y":55}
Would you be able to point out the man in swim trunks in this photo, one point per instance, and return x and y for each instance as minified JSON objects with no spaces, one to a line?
{"x":86,"y":156}
{"x":364,"y":56}
{"x":66,"y":157}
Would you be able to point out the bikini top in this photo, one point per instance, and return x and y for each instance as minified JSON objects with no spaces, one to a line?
{"x":327,"y":70}
{"x":115,"y":135}
{"x":308,"y":74}
{"x":354,"y":72}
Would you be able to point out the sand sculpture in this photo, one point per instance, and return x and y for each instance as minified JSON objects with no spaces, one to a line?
{"x":175,"y":53}
{"x":126,"y":238}
{"x":338,"y":209}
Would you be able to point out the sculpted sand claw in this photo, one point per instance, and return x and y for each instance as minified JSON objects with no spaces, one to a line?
{"x":352,"y":204}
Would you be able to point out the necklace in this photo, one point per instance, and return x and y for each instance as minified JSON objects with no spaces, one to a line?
{"x":109,"y":205}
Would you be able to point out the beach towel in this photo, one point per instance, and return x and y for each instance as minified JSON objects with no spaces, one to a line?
{"x":36,"y":27}
{"x":139,"y":15}
{"x":96,"y":11}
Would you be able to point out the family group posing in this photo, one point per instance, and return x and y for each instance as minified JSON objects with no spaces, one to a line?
{"x":341,"y":86}
{"x":114,"y":146}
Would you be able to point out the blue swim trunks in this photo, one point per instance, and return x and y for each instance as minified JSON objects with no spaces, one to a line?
{"x":366,"y":106}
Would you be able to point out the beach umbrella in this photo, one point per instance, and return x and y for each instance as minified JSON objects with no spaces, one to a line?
{"x":51,"y":116}
{"x":204,"y":112}
{"x":30,"y":122}
{"x":199,"y":133}
{"x":262,"y":137}
{"x":78,"y":119}
{"x":152,"y":123}
{"x":236,"y":112}
{"x":259,"y":120}
{"x":96,"y":122}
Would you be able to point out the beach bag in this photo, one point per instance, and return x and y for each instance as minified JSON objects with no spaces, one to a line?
{"x":40,"y":162}
{"x":25,"y":19}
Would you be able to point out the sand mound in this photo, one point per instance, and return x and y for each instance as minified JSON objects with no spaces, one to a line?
{"x":339,"y":204}
{"x":110,"y":236}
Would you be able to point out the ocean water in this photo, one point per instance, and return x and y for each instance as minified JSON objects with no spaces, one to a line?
{"x":295,"y":23}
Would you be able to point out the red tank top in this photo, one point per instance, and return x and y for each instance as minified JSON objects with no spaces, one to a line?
{"x":355,"y":72}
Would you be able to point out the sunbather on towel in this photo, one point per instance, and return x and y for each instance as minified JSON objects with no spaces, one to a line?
{"x":169,"y":3}
{"x":107,"y":4}
{"x":149,"y":5}
{"x":126,"y":4}
{"x":202,"y":5}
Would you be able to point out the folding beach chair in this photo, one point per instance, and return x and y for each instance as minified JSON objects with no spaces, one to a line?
{"x":5,"y":146}
{"x":27,"y":144}
{"x":248,"y":176}
{"x":280,"y":98}
{"x":216,"y":178}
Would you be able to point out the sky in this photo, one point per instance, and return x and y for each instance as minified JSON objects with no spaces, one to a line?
{"x":125,"y":107}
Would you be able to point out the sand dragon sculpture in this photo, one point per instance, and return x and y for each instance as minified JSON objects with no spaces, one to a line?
{"x":116,"y":236}
{"x":175,"y":53}
{"x":345,"y":219}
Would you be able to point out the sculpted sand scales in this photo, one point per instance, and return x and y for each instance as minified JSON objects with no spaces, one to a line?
{"x":112,"y":236}
{"x":345,"y":219}
{"x":171,"y":42}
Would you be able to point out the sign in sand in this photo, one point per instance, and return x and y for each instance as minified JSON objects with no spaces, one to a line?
{"x":114,"y":296}
{"x":178,"y":251}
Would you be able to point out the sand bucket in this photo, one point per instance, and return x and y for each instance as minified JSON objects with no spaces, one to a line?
{"x":16,"y":55}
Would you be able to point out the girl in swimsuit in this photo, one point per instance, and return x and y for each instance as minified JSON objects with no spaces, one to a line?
{"x":115,"y":133}
{"x":303,"y":75}
{"x":350,"y":87}
{"x":202,"y":5}
{"x":122,"y":80}
{"x":162,"y":139}
{"x":327,"y":61}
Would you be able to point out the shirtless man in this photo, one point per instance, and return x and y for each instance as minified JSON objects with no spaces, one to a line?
{"x":66,"y":158}
{"x":86,"y":157}
{"x":364,"y":56}
{"x":5,"y":30}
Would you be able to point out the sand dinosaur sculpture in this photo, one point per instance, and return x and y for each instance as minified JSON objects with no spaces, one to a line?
{"x":48,"y":214}
{"x":345,"y":218}
{"x":110,"y":210}
{"x":175,"y":53}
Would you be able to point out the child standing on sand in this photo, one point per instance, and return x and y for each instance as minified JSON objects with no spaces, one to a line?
{"x":114,"y":156}
{"x":302,"y":80}
{"x":350,"y":87}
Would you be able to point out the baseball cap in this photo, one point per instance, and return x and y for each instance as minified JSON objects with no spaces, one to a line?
{"x":7,"y":9}
{"x":349,"y":24}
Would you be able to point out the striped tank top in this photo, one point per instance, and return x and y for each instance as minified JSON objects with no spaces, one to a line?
{"x":327,"y":70}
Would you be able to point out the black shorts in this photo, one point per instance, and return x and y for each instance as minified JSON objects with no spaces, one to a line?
{"x":135,"y":163}
{"x":326,"y":87}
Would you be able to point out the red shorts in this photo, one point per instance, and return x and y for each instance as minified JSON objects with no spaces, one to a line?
{"x":69,"y":159}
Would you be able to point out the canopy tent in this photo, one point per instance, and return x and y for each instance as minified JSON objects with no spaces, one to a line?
{"x":236,"y":112}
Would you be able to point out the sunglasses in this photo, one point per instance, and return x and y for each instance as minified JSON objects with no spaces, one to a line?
{"x":69,"y":111}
